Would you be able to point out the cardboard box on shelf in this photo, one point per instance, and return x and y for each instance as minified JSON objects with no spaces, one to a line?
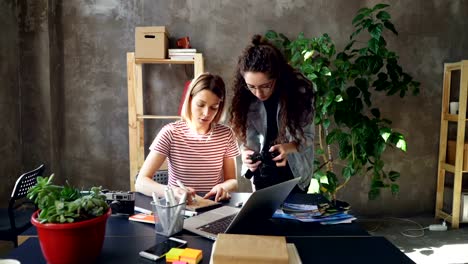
{"x":151,"y":42}
{"x":451,"y":148}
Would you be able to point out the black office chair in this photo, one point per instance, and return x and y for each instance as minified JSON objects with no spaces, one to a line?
{"x":15,"y":219}
{"x":161,"y":177}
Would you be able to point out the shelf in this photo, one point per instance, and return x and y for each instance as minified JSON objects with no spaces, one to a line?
{"x":460,"y":119}
{"x":163,"y":61}
{"x":451,"y":168}
{"x":157,"y":117}
{"x":136,"y":116}
{"x":452,"y":118}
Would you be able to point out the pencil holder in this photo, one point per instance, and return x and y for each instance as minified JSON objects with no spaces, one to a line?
{"x":168,"y":220}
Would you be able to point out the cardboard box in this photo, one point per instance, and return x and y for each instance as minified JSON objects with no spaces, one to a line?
{"x":151,"y":42}
{"x":451,"y":148}
{"x":250,"y":249}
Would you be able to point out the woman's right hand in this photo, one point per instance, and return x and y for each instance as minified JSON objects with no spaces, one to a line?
{"x":178,"y":192}
{"x":247,"y":161}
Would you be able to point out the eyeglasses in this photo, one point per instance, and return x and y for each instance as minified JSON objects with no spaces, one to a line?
{"x":265,"y":86}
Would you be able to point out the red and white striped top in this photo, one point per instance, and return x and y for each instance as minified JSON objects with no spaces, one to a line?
{"x":196,"y":160}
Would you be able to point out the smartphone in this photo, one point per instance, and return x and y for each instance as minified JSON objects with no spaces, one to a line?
{"x":159,"y":250}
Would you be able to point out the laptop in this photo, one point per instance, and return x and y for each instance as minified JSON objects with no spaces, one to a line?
{"x":226,"y":219}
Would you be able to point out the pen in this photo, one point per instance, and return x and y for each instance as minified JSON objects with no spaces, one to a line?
{"x":175,"y":218}
{"x":155,"y":198}
{"x":170,"y":199}
{"x":182,"y":186}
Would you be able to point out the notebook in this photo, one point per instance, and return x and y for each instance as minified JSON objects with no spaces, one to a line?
{"x":201,"y":204}
{"x":260,"y":206}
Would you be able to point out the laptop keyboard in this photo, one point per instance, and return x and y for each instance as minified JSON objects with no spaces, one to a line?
{"x":218,"y":226}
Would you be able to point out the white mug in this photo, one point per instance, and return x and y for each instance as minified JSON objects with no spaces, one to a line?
{"x":453,"y":108}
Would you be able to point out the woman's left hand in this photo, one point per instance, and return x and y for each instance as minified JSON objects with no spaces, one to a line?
{"x":219,"y":192}
{"x":282,"y":150}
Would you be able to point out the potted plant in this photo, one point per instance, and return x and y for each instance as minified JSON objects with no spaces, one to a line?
{"x":345,"y":114}
{"x":70,"y":223}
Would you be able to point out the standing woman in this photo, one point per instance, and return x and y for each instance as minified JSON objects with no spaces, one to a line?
{"x":272,"y":114}
{"x":201,"y":152}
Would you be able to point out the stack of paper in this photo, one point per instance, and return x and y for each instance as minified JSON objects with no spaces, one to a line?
{"x":324,"y":214}
{"x":182,"y":54}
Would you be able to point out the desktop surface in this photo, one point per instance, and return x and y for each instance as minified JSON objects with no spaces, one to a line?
{"x":316,"y":243}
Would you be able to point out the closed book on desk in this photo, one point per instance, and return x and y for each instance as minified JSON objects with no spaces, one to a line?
{"x":202,"y":204}
{"x":144,"y":218}
{"x":250,"y":249}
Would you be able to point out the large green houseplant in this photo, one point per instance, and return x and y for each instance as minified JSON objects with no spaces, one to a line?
{"x":345,"y":82}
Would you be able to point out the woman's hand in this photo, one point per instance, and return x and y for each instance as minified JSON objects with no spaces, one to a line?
{"x":283,"y":150}
{"x":178,"y":192}
{"x":219,"y":193}
{"x":246,"y":153}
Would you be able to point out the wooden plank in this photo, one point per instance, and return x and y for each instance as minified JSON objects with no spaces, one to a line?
{"x":452,"y":66}
{"x":450,"y":117}
{"x":132,"y":119}
{"x":448,"y":167}
{"x":157,"y":117}
{"x":163,"y":61}
{"x":457,"y":185}
{"x":443,"y":142}
{"x":443,"y":215}
{"x":139,"y":111}
{"x":198,"y":67}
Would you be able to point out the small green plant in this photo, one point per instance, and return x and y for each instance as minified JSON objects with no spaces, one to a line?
{"x":66,"y":204}
{"x":345,"y":114}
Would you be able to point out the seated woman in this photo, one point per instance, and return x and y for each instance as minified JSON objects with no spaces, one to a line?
{"x":201,"y":152}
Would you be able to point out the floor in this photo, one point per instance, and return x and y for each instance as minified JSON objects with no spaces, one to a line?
{"x":422,"y":246}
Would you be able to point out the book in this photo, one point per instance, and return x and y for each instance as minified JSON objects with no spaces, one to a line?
{"x":181,"y":57}
{"x":202,"y":204}
{"x":181,"y":50}
{"x":182,"y":54}
{"x":142,"y":217}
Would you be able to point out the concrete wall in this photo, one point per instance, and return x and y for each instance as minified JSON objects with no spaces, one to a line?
{"x":78,"y":85}
{"x":10,"y":140}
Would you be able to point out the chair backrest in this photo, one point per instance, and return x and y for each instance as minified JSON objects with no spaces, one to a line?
{"x":24,"y":183}
{"x":161,"y":177}
{"x":18,"y":199}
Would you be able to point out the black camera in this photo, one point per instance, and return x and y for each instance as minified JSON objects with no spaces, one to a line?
{"x":268,"y":165}
{"x":265,"y":157}
{"x":120,"y":202}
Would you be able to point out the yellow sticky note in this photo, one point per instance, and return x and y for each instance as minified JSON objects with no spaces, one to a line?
{"x":191,"y":256}
{"x":174,"y":254}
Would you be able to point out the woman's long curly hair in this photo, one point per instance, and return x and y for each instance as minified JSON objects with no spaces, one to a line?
{"x":296,"y":93}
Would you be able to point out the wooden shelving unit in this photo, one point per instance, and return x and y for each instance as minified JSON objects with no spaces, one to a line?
{"x":136,"y":116}
{"x":460,"y":120}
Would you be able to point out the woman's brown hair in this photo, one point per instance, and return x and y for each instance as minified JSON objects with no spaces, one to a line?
{"x":296,"y":94}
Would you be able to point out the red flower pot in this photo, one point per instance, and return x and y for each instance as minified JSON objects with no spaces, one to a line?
{"x":71,"y":243}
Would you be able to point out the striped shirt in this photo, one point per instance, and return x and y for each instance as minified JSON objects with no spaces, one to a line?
{"x":196,"y":160}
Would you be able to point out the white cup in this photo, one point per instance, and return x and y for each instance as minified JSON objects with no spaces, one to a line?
{"x":453,"y":108}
